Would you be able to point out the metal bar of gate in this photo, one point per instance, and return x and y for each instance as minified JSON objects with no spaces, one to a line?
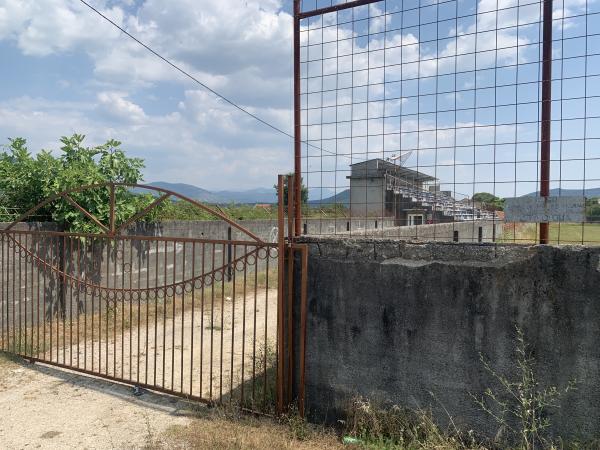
{"x":546,"y":124}
{"x":303,"y":301}
{"x":281,"y":267}
{"x":297,"y":119}
{"x":333,"y":8}
{"x":290,"y":289}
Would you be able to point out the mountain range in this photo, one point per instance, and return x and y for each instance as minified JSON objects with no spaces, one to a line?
{"x":316,"y":196}
{"x":250,"y":196}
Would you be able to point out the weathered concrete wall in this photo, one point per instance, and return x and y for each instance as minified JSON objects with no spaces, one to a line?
{"x":472,"y":231}
{"x":264,"y":228}
{"x":397,"y":322}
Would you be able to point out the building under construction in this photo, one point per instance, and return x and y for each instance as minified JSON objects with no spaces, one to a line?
{"x":380,"y":188}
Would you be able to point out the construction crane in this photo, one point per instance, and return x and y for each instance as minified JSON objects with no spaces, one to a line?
{"x":401,"y":158}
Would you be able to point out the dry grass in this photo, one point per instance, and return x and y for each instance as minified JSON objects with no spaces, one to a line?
{"x":221,"y":429}
{"x":560,"y":233}
{"x":397,"y":428}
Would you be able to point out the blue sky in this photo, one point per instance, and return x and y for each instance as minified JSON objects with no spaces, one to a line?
{"x":64,"y":70}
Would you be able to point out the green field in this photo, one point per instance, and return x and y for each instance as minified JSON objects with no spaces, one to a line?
{"x":560,"y":234}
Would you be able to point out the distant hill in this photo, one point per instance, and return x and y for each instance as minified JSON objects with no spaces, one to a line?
{"x":591,"y":192}
{"x":259,"y":195}
{"x":343,"y":198}
{"x":189,"y":190}
{"x":267,"y":195}
{"x":250,"y":196}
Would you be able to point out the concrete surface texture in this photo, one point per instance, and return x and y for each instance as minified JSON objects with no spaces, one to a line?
{"x":405,"y":323}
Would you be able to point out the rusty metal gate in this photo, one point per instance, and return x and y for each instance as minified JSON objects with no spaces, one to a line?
{"x":186,"y":315}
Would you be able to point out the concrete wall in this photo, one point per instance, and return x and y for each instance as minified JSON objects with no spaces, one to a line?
{"x":265,"y":229}
{"x":397,"y":322}
{"x":473,"y":231}
{"x":367,"y":196}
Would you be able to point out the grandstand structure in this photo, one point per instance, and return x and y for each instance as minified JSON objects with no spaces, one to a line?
{"x":382,"y":188}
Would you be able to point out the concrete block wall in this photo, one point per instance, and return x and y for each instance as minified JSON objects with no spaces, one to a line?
{"x":396,"y":322}
{"x":266,"y":229}
{"x":472,"y":231}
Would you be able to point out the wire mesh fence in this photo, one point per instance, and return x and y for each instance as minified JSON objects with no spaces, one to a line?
{"x":418,"y":118}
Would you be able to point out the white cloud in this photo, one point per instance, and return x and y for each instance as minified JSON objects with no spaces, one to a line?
{"x":203,"y":142}
{"x":236,"y":47}
{"x":223,"y":43}
{"x":116,"y":105}
{"x":43,"y":28}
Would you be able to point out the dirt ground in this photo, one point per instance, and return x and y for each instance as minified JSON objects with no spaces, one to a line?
{"x":48,"y":408}
{"x":44,"y":407}
{"x":51,"y":408}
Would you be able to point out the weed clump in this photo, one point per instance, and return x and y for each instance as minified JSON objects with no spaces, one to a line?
{"x":400,"y":428}
{"x":521,"y":406}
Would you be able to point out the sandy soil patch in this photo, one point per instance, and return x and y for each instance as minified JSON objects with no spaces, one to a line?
{"x":44,"y":407}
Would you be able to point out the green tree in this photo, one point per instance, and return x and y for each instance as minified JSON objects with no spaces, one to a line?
{"x":303,"y":190}
{"x":27,"y":180}
{"x":593,"y":210}
{"x":490,"y":201}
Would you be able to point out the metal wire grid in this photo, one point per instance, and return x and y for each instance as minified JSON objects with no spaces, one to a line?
{"x":455,"y":88}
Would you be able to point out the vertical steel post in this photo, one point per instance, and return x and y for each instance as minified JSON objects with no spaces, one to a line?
{"x":546,"y":112}
{"x":290,"y":291}
{"x":297,"y":122}
{"x":229,"y":255}
{"x":303,"y":301}
{"x":280,"y":293}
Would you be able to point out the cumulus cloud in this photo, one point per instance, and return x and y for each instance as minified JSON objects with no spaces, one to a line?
{"x":234,"y":47}
{"x":183,"y":145}
{"x":43,"y":28}
{"x":116,"y":105}
{"x":225,"y":43}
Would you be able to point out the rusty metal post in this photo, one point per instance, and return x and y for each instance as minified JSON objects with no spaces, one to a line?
{"x":297,"y":122}
{"x":290,"y":289}
{"x":229,"y":267}
{"x":546,"y":112}
{"x":303,"y":300}
{"x":280,"y":291}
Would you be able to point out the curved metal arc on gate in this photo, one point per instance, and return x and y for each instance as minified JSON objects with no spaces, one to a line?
{"x":111,"y":230}
{"x":165,"y":288}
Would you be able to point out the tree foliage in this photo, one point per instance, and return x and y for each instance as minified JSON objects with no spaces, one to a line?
{"x":303,"y":190}
{"x":26,"y":180}
{"x":593,"y":210}
{"x":490,"y":201}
